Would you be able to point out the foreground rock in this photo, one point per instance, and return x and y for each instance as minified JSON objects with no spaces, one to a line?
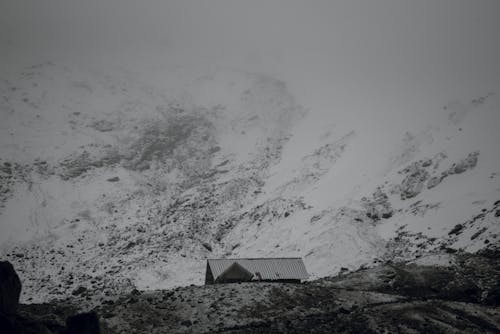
{"x":10,"y":289}
{"x":38,"y":319}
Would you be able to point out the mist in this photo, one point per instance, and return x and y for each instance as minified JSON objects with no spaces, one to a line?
{"x":324,"y":50}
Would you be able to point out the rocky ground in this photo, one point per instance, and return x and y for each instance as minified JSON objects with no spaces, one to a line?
{"x":38,"y":319}
{"x":461,"y":295}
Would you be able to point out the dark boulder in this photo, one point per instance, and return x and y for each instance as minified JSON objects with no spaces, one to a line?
{"x":83,"y":323}
{"x":457,"y":229}
{"x":78,"y":291}
{"x":6,"y":325}
{"x":10,"y":288}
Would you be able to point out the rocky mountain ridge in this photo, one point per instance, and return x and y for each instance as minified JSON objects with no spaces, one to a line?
{"x":111,"y":184}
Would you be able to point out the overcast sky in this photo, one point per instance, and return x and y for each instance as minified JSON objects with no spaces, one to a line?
{"x":323,"y":47}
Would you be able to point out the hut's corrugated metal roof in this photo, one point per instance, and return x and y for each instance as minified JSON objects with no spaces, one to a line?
{"x":268,"y":268}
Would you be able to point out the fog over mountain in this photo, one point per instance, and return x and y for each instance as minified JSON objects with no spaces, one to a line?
{"x":138,"y":138}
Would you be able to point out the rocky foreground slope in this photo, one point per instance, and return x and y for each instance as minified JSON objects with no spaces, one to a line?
{"x":462,"y":295}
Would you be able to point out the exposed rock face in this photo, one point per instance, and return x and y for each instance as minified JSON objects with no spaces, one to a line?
{"x":10,"y":288}
{"x":457,"y":168}
{"x":412,"y":185}
{"x":463,"y":165}
{"x":378,"y":207}
{"x":420,"y":173}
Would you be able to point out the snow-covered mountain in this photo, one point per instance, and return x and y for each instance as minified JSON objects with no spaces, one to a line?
{"x":111,"y":182}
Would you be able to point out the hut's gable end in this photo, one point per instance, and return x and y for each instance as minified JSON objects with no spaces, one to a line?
{"x":235,"y":273}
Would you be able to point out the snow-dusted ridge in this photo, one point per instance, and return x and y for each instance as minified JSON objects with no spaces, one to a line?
{"x":113,"y":184}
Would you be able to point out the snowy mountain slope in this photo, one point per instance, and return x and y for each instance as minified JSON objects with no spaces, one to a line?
{"x":412,"y":188}
{"x":111,"y":183}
